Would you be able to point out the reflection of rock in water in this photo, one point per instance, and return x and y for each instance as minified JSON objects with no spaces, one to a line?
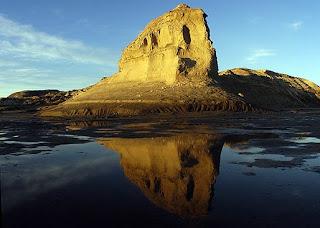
{"x":175,"y":173}
{"x":83,"y":124}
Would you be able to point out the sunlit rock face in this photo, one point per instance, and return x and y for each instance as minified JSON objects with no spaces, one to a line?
{"x":171,"y":67}
{"x":168,"y":68}
{"x":174,"y":47}
{"x":175,"y":173}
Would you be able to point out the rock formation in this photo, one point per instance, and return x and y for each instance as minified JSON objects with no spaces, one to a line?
{"x":30,"y":100}
{"x":269,"y":90}
{"x":175,"y":173}
{"x":172,"y":67}
{"x":172,"y":48}
{"x":167,"y":68}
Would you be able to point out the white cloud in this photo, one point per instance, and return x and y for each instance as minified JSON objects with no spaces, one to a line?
{"x":258,"y":54}
{"x":23,"y":41}
{"x":296,"y":25}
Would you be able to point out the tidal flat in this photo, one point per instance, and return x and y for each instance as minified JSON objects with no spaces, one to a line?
{"x":197,"y":170}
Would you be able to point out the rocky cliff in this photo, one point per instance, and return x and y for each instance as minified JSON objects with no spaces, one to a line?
{"x":172,"y":48}
{"x":167,"y":68}
{"x":172,"y":67}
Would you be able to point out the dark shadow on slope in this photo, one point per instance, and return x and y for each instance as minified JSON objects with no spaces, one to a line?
{"x":270,"y":91}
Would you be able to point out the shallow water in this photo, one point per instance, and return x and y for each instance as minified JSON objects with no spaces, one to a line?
{"x":191,"y":173}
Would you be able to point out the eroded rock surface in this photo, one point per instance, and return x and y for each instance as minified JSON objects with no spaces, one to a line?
{"x":172,"y":48}
{"x":172,"y":67}
{"x":33,"y":99}
{"x":270,"y":90}
{"x":167,"y":68}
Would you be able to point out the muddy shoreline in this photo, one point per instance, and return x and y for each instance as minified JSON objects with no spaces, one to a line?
{"x":283,"y":129}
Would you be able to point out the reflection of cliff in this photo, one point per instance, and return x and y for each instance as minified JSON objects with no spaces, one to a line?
{"x":175,"y":173}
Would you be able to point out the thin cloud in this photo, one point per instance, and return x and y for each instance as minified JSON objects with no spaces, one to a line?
{"x":258,"y":54}
{"x":59,"y":13}
{"x":255,"y":20}
{"x":32,"y":76}
{"x":29,"y":78}
{"x":296,"y":25}
{"x":25,"y":75}
{"x":23,"y":41}
{"x":4,"y":63}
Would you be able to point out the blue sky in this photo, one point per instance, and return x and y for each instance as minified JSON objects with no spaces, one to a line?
{"x":72,"y":44}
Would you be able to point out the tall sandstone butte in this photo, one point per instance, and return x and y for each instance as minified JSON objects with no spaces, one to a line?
{"x":172,"y":67}
{"x":167,"y":68}
{"x":174,"y":47}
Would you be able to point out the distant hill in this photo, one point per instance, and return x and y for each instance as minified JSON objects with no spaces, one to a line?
{"x":269,"y":90}
{"x":238,"y":89}
{"x":31,"y":100}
